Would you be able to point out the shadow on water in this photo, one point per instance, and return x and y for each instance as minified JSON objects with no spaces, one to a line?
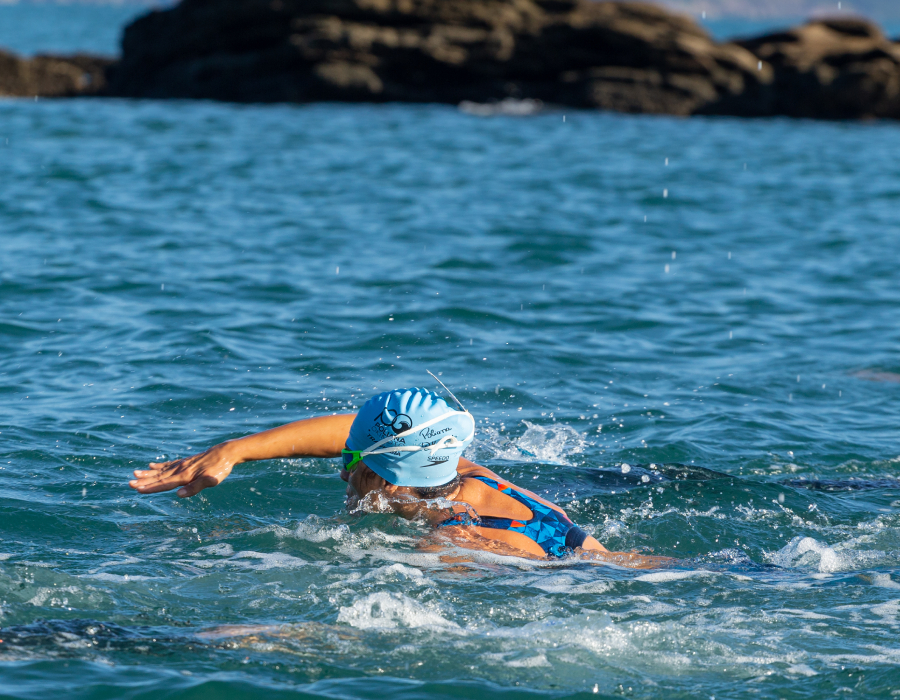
{"x":626,"y":476}
{"x":85,"y":638}
{"x":836,"y":485}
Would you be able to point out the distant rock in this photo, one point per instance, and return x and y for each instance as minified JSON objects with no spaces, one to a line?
{"x":883,"y":10}
{"x":628,"y":57}
{"x":490,"y":56}
{"x":832,"y":69}
{"x":52,"y":76}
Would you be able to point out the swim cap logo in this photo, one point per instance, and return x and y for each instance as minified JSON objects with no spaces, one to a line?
{"x":398,"y":422}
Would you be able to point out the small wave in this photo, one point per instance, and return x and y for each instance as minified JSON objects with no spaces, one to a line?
{"x":264,"y":561}
{"x":119,"y":578}
{"x":221,"y":549}
{"x":669,"y":576}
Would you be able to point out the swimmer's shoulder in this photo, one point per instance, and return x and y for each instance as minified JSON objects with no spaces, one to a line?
{"x":468,"y":469}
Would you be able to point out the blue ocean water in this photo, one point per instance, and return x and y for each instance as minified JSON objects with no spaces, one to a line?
{"x":30,"y":27}
{"x":602,"y":291}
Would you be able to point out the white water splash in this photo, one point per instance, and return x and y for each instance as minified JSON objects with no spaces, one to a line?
{"x":551,"y":444}
{"x":391,"y":611}
{"x":314,"y":529}
{"x":808,"y":552}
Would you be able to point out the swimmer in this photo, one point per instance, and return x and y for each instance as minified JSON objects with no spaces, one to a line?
{"x":404,"y":448}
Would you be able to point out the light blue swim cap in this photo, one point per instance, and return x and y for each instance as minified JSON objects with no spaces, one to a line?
{"x":411,"y":437}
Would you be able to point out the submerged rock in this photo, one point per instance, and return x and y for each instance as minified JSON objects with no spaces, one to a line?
{"x":52,"y":76}
{"x":832,"y":69}
{"x":628,"y":57}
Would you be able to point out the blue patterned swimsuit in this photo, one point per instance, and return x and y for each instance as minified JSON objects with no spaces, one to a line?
{"x":550,"y":529}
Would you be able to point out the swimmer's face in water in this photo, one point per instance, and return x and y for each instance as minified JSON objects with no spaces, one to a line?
{"x":362,"y":481}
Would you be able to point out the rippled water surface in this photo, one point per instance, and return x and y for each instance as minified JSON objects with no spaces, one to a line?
{"x":715,"y":297}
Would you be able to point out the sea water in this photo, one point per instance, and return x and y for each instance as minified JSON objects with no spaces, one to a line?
{"x":719,"y":298}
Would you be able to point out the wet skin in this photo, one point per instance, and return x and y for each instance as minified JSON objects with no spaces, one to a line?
{"x":325,"y":437}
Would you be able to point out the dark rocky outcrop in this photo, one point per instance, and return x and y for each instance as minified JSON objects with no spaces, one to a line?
{"x":832,"y":69}
{"x":623,"y":56}
{"x":52,"y":76}
{"x":629,"y":57}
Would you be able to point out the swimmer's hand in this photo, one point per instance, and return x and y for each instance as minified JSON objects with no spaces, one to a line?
{"x":192,"y":474}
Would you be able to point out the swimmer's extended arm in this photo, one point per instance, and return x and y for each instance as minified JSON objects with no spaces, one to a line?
{"x":313,"y":437}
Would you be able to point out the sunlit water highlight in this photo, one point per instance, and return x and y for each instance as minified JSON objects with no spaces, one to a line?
{"x":173,"y":275}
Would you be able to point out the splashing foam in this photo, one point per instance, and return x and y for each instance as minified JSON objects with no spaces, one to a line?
{"x":263,"y":561}
{"x":391,"y":611}
{"x":552,"y":444}
{"x":808,"y":552}
{"x":314,"y":529}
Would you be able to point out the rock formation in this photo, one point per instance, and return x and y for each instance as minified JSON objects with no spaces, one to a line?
{"x":52,"y":76}
{"x":832,"y":69}
{"x":623,"y":56}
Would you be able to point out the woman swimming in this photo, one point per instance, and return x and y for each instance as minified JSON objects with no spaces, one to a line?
{"x":406,"y":446}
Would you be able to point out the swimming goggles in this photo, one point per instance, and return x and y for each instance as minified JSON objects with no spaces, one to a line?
{"x":352,"y":458}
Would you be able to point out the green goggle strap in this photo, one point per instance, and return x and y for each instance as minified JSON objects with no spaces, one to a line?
{"x":357,"y":458}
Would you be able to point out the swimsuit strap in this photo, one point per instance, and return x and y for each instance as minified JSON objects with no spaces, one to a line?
{"x":547,"y":526}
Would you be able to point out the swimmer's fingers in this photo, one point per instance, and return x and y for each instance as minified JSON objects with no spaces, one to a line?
{"x":153,"y":482}
{"x":196,"y":486}
{"x":154,"y":468}
{"x":190,"y":479}
{"x":156,"y":486}
{"x":160,"y":472}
